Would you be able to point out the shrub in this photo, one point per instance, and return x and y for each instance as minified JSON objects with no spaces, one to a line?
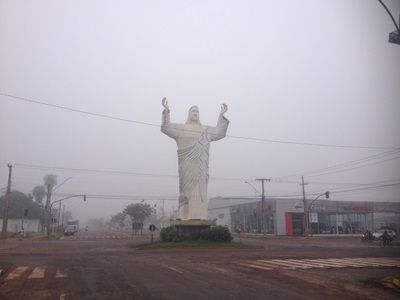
{"x":169,"y":234}
{"x":216,"y":234}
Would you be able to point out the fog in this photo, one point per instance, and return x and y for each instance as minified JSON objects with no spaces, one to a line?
{"x":312,"y":89}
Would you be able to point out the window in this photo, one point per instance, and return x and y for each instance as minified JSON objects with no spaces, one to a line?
{"x":220,"y":216}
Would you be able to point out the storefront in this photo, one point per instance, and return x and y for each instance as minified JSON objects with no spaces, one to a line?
{"x":342,"y":217}
{"x":254,"y":217}
{"x":287,"y":216}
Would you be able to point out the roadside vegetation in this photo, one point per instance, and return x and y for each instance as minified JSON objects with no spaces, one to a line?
{"x":189,"y":244}
{"x":215,"y":237}
{"x":215,"y":234}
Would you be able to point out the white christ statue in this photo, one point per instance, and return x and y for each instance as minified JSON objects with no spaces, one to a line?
{"x":193,"y":141}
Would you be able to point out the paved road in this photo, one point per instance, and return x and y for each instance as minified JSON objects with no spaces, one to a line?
{"x":99,"y":266}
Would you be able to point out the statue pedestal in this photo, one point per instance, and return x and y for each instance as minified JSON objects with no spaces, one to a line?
{"x":190,"y":226}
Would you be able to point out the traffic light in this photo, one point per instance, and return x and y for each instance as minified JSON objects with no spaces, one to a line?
{"x":84,"y":197}
{"x":394,"y":37}
{"x":327,"y":195}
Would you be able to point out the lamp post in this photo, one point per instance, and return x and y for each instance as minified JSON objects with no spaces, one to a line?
{"x":394,"y":37}
{"x":48,"y":200}
{"x":59,"y":201}
{"x":262,"y":201}
{"x":308,"y":207}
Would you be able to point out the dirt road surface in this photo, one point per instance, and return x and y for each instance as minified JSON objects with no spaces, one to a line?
{"x":100,"y":266}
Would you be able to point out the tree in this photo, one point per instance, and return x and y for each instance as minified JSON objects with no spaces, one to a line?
{"x":138,"y":212}
{"x":118,"y":219}
{"x":50,"y":181}
{"x":39,"y":192}
{"x":21,"y":204}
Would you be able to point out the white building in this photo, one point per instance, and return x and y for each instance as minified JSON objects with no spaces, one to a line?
{"x":15,"y":225}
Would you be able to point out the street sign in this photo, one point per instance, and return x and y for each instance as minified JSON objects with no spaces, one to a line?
{"x":299,"y":206}
{"x":137,"y":225}
{"x":152,"y":227}
{"x":314,"y":217}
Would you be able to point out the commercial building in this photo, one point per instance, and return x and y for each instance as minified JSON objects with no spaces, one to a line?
{"x":287,"y":217}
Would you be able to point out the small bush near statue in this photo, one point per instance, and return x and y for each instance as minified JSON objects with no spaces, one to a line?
{"x":215,"y":234}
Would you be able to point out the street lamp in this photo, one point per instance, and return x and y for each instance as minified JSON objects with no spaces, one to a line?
{"x":253,"y":188}
{"x":308,"y":207}
{"x":262,"y":201}
{"x":59,"y":201}
{"x":394,"y":37}
{"x":48,"y":212}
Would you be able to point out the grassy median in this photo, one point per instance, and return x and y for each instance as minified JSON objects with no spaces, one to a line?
{"x":189,"y":244}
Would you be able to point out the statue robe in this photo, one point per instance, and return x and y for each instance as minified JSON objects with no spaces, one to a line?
{"x":193,"y":143}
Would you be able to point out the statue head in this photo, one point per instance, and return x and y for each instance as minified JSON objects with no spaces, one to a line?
{"x":193,"y":116}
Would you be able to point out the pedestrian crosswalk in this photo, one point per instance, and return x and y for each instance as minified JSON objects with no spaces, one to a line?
{"x":17,"y":272}
{"x":293,"y":264}
{"x":35,"y":273}
{"x":40,"y":272}
{"x":97,"y":237}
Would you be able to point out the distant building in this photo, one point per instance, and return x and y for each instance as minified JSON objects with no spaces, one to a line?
{"x":15,"y":225}
{"x":286,"y":216}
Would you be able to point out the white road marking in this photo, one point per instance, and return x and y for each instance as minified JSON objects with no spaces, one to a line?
{"x":38,"y":272}
{"x":292,"y":264}
{"x":174,"y":269}
{"x":255,"y":265}
{"x":17,"y":272}
{"x":61,"y":274}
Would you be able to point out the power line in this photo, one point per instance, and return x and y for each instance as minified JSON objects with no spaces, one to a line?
{"x":117,"y":173}
{"x":78,"y":111}
{"x":122,"y":173}
{"x":175,"y":198}
{"x":229,"y":136}
{"x":384,"y":186}
{"x":325,"y":171}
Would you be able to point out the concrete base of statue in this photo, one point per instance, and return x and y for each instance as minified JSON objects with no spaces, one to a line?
{"x":190,"y":226}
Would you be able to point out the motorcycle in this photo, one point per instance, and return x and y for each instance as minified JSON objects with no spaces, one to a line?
{"x":388,"y":242}
{"x":367,"y":237}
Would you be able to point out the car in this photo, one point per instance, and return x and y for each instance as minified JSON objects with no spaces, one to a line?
{"x":378,"y":233}
{"x":69,"y":230}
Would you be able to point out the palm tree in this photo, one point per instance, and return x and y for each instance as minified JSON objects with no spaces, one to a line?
{"x":39,"y":192}
{"x":50,"y":181}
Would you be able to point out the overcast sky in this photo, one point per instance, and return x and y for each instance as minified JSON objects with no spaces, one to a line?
{"x":312,"y":88}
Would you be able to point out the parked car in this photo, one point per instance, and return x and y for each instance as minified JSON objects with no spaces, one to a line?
{"x":378,"y":233}
{"x":69,"y":230}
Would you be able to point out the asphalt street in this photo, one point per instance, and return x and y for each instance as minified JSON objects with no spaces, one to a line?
{"x":100,"y":266}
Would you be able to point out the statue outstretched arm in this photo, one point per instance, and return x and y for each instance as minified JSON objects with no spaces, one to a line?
{"x":167,"y":127}
{"x":224,"y":109}
{"x":218,"y":132}
{"x":164,"y":103}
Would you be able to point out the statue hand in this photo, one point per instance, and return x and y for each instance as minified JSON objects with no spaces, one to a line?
{"x":164,"y":103}
{"x":224,"y":108}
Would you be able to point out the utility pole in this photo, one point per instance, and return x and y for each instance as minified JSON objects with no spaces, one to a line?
{"x":63,"y":212}
{"x":59,"y":216}
{"x":47,"y":214}
{"x":262,"y":202}
{"x":7,"y":204}
{"x":162,"y":201}
{"x":305,"y":219}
